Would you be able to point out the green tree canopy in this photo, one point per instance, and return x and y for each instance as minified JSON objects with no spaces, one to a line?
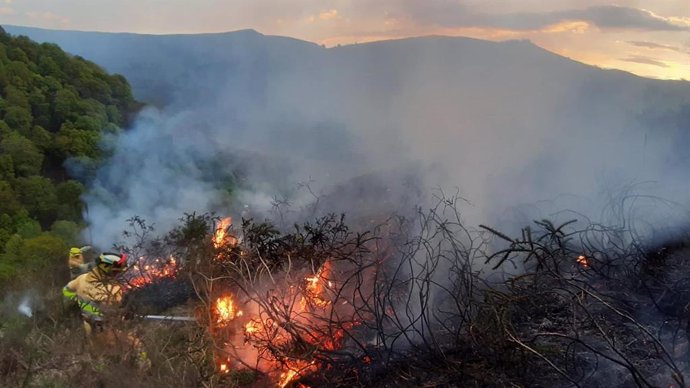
{"x":55,"y":109}
{"x":25,"y":156}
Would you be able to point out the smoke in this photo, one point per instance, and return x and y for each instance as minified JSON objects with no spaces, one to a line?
{"x":250,"y":121}
{"x":25,"y":308}
{"x":25,"y":303}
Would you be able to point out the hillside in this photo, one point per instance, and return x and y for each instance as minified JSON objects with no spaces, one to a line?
{"x":56,"y":111}
{"x":478,"y":115}
{"x":411,"y":286}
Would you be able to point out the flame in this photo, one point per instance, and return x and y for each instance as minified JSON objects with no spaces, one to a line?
{"x":221,"y":237}
{"x":312,"y":297}
{"x":146,"y":271}
{"x":225,"y":310}
{"x":583,"y":261}
{"x":315,"y":288}
{"x":295,"y":369}
{"x":252,"y":327}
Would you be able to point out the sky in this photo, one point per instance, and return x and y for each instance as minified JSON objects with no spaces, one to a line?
{"x":647,"y":37}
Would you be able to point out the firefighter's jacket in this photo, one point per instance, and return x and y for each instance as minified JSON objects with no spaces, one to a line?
{"x":92,"y":291}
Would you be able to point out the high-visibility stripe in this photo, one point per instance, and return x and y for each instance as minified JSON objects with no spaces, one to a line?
{"x":87,"y":307}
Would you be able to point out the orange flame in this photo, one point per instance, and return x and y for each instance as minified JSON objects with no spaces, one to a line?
{"x":316,"y":286}
{"x":252,"y":327}
{"x":226,"y":310}
{"x":221,"y":236}
{"x":295,"y":369}
{"x":146,"y":271}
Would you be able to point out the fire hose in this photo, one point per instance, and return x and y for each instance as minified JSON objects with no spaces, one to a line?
{"x":171,"y":318}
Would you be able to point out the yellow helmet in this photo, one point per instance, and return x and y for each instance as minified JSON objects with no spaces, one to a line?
{"x":74,"y":251}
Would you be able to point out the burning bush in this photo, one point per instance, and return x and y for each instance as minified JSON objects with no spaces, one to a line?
{"x":410,"y":302}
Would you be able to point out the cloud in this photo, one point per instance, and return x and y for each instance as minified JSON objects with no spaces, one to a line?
{"x":328,"y":15}
{"x":331,"y":14}
{"x":577,"y":26}
{"x":48,"y":16}
{"x":626,"y":18}
{"x":644,"y":60}
{"x":453,"y":14}
{"x":6,"y":11}
{"x":654,"y":46}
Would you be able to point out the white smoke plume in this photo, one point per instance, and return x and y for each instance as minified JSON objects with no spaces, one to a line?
{"x":25,"y":308}
{"x":520,"y":132}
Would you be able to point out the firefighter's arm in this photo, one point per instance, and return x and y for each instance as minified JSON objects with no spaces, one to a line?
{"x":88,"y":309}
{"x":69,"y":293}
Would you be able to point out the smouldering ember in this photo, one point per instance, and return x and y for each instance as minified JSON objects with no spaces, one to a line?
{"x":583,"y":261}
{"x":146,"y":271}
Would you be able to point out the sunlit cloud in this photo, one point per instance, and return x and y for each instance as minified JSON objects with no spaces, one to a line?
{"x":618,"y":17}
{"x":655,"y":46}
{"x":645,"y":61}
{"x":680,"y":21}
{"x":592,"y":31}
{"x":328,"y":15}
{"x":578,"y":27}
{"x":453,"y":14}
{"x":331,"y":14}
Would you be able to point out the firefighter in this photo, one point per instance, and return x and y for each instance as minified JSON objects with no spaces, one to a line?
{"x":97,"y":288}
{"x":77,"y":264}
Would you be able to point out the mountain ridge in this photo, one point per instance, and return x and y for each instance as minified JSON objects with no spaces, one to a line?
{"x":45,"y":34}
{"x":491,"y":114}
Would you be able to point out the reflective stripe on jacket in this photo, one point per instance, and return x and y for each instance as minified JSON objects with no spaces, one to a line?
{"x":91,"y":291}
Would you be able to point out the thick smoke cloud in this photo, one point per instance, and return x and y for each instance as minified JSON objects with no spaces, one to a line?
{"x":519,"y":132}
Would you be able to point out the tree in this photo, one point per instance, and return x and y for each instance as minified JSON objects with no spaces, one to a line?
{"x":17,"y":97}
{"x":32,"y":255}
{"x":67,"y":231}
{"x":69,"y":200}
{"x":18,"y":118}
{"x":71,"y":141}
{"x":8,"y":199}
{"x":65,"y":106}
{"x":6,"y":230}
{"x":6,"y":167}
{"x":18,"y":74}
{"x":40,"y":137}
{"x":29,"y":228}
{"x":54,"y":108}
{"x":26,"y":158}
{"x":37,"y":194}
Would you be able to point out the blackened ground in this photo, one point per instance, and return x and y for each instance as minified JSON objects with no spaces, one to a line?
{"x":158,"y":296}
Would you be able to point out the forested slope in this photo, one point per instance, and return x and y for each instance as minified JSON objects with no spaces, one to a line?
{"x":56,"y":113}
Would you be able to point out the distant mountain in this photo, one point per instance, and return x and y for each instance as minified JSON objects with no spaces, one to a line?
{"x":506,"y":122}
{"x":160,"y":65}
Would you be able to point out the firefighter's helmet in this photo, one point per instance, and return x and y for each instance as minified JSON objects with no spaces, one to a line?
{"x":112,"y":262}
